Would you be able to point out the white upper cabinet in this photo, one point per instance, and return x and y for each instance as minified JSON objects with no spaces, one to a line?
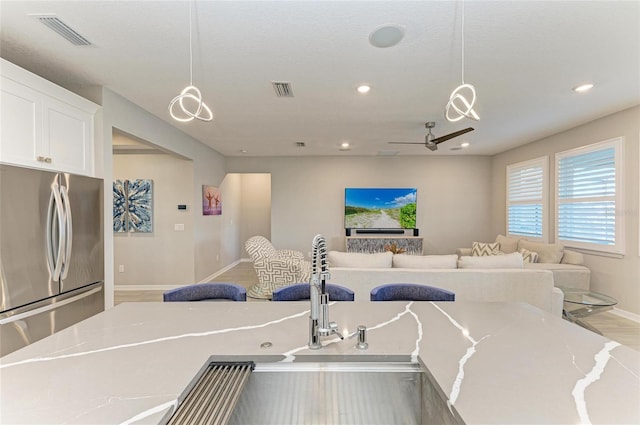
{"x":43,"y":125}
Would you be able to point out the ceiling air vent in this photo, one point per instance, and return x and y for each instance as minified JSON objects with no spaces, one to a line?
{"x":62,"y":29}
{"x":282,"y":88}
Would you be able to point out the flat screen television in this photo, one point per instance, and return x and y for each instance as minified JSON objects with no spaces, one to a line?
{"x":380,"y":208}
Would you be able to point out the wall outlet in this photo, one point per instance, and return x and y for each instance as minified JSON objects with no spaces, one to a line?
{"x":178,"y":227}
{"x":121,"y":268}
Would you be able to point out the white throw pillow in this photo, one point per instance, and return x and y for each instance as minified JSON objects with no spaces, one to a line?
{"x":547,"y":252}
{"x":425,"y":261}
{"x":506,"y":261}
{"x":380,"y":260}
{"x":481,"y":249}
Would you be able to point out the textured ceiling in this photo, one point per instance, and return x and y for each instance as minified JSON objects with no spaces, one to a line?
{"x":522,"y":56}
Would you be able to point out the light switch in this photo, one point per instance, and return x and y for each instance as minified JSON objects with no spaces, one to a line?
{"x":178,"y":227}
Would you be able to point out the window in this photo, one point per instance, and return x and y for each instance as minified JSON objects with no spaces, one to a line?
{"x":527,"y":184}
{"x":589,"y":196}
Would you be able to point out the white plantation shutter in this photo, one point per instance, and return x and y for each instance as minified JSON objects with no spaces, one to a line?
{"x":588,"y":196}
{"x":527,"y":198}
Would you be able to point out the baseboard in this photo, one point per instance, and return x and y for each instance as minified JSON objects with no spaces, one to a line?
{"x":626,"y":314}
{"x":168,"y":287}
{"x":145,"y":287}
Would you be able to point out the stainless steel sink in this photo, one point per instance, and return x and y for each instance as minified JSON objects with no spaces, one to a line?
{"x":331,"y":393}
{"x":318,"y":390}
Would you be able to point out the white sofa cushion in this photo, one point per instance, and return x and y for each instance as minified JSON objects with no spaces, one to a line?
{"x":508,"y":244}
{"x":506,"y":261}
{"x":499,"y":285}
{"x":547,"y":252}
{"x":381,"y":260}
{"x":425,"y":261}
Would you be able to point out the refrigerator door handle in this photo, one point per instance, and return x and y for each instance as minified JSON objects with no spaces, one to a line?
{"x":54,"y":247}
{"x":68,"y":231}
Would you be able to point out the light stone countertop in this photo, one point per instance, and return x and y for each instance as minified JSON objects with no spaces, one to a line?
{"x":496,"y":362}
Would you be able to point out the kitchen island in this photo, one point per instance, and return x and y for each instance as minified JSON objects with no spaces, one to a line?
{"x":494,"y":362}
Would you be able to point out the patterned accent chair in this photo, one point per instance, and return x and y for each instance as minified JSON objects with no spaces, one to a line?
{"x":275,"y":268}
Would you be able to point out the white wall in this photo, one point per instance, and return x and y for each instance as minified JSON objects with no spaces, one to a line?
{"x":165,"y":256}
{"x":618,"y":277}
{"x":208,"y":168}
{"x":256,"y":207}
{"x":307,"y":196}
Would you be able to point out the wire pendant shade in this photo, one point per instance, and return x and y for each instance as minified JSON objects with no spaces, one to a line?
{"x":188,"y":105}
{"x":463,"y":97}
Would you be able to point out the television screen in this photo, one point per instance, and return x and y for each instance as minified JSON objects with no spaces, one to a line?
{"x":382,"y":208}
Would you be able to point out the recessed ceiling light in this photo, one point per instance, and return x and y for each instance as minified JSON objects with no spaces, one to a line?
{"x":344,"y":146}
{"x":464,"y":145}
{"x":386,"y":36}
{"x":583,"y":88}
{"x":363,"y":89}
{"x":243,"y":151}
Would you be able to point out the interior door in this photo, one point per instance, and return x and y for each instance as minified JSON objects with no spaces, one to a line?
{"x":24,"y":200}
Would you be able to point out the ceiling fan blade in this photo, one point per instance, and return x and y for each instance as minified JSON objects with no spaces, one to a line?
{"x":452,"y":135}
{"x":407,"y":143}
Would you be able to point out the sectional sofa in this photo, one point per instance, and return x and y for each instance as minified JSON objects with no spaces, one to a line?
{"x":566,"y":265}
{"x":363,"y":272}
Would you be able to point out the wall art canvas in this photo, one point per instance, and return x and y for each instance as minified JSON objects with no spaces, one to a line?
{"x":119,"y":206}
{"x":211,"y":201}
{"x":133,"y":206}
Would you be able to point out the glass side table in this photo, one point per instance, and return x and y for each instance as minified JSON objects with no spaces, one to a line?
{"x":584,"y":303}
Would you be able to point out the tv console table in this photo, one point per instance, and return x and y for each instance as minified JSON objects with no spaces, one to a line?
{"x":376,"y":243}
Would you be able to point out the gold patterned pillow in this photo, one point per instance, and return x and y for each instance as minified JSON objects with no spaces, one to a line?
{"x":481,"y":249}
{"x":528,"y":256}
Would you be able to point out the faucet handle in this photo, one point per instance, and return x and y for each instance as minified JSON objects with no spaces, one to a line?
{"x":333,"y":329}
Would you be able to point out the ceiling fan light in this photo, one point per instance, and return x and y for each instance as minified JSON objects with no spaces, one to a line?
{"x":583,"y":88}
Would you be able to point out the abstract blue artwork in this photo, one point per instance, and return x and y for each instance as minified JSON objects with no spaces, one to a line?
{"x":133,"y":206}
{"x":119,"y":206}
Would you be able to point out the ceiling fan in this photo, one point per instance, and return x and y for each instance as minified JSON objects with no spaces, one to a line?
{"x":431,"y":142}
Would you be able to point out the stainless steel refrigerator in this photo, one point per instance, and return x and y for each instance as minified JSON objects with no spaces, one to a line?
{"x":51,"y":253}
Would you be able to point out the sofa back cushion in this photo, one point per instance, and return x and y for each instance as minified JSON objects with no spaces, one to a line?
{"x":547,"y":252}
{"x":506,"y":261}
{"x":381,"y":260}
{"x":508,"y":244}
{"x":425,"y":261}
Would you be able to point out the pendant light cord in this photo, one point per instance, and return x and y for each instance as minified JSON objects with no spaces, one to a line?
{"x":190,"y":48}
{"x":462,"y":35}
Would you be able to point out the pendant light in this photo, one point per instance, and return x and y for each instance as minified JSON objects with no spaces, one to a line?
{"x":463,"y":98}
{"x":190,"y":95}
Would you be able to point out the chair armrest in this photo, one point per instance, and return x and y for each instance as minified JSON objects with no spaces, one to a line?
{"x":463,"y":252}
{"x":572,"y":257}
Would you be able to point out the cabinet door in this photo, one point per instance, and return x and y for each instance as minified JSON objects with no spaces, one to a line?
{"x":21,"y":125}
{"x":68,"y":133}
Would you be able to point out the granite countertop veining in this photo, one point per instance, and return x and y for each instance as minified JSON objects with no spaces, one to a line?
{"x":496,"y":362}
